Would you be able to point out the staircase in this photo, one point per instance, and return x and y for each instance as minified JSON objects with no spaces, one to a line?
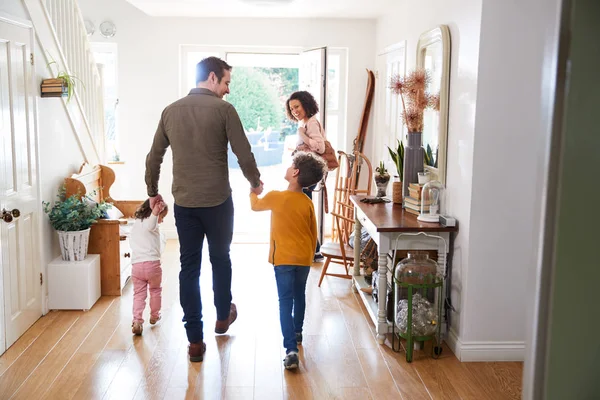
{"x":61,"y":33}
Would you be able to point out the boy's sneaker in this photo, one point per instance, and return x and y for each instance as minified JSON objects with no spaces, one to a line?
{"x":299,"y":338}
{"x":154,"y":320}
{"x":137,"y":328}
{"x":291,"y":360}
{"x":318,"y":257}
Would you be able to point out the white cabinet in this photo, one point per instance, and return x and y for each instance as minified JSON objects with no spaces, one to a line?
{"x":74,"y":285}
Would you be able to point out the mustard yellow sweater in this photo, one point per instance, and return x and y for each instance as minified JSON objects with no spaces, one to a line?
{"x":293,"y":226}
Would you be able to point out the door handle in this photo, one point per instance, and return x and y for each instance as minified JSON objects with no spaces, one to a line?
{"x":8,"y":216}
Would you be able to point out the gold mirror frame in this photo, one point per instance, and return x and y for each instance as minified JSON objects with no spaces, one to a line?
{"x":439,"y":34}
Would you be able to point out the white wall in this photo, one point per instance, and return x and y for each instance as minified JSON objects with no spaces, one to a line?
{"x":148,"y":52}
{"x":408,"y":22}
{"x":516,"y":67}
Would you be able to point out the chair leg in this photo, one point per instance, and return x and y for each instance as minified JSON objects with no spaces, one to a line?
{"x":324,"y":271}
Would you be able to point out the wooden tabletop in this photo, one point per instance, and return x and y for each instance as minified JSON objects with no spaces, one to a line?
{"x":390,"y":217}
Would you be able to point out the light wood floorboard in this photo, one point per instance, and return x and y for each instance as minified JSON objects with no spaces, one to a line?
{"x":93,"y":355}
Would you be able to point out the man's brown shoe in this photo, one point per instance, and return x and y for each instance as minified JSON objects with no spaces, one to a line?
{"x":196,"y":351}
{"x":223,"y":326}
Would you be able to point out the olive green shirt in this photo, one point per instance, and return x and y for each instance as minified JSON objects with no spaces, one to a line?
{"x":198,"y":128}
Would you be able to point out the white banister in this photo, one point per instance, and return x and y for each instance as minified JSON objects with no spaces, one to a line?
{"x":78,"y":61}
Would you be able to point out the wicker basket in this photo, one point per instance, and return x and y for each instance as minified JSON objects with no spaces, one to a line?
{"x":397,"y":192}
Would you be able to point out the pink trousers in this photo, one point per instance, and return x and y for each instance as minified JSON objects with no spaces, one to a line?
{"x":146,"y":276}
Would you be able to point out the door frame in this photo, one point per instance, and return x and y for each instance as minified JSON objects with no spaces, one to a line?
{"x":27,"y":24}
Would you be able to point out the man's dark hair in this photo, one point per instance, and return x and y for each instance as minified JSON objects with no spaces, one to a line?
{"x":311,"y":168}
{"x":208,"y":65}
{"x":308,"y":103}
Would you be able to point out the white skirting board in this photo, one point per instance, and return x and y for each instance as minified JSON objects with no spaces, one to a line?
{"x":485,"y":351}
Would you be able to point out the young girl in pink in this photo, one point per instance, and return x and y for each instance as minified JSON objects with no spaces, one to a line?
{"x":147,"y":244}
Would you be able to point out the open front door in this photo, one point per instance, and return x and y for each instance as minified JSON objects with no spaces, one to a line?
{"x":313,"y":79}
{"x":20,"y":279}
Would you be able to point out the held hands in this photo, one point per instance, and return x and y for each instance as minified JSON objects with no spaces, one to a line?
{"x":258,"y":190}
{"x":154,"y":199}
{"x":159,"y":206}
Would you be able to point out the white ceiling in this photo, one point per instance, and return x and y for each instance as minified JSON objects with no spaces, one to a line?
{"x":250,"y":8}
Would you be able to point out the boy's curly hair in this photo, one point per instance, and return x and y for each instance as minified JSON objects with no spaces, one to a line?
{"x":311,"y":168}
{"x":144,"y":210}
{"x":308,"y":103}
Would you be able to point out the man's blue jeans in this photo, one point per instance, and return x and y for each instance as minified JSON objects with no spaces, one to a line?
{"x":291,"y":287}
{"x":216,"y":223}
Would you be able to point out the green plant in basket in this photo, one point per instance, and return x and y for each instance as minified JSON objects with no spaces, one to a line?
{"x":74,"y":213}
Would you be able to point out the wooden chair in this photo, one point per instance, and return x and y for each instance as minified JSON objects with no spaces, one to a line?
{"x":338,"y":251}
{"x":347,"y":181}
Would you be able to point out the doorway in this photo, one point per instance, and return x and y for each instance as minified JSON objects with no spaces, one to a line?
{"x":261,"y":84}
{"x":272,"y":62}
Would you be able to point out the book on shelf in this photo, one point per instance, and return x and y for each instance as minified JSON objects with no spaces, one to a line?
{"x":53,"y":81}
{"x":54,"y":86}
{"x":415,"y":208}
{"x":411,"y":211}
{"x":54,"y":94}
{"x":54,"y":89}
{"x":416,"y":202}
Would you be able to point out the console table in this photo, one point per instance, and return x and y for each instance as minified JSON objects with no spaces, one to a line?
{"x":388,"y":224}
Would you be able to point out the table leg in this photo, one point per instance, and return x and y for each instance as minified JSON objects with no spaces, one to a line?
{"x":357,"y":230}
{"x":382,"y":325}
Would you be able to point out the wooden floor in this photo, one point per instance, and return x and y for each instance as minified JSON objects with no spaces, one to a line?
{"x":93,"y":355}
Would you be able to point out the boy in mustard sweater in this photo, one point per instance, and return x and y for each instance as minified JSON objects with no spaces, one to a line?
{"x":293,"y":238}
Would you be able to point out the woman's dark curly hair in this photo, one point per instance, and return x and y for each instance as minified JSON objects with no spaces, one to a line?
{"x":308,"y":103}
{"x":144,"y":210}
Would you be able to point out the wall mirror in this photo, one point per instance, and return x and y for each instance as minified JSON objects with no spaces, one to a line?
{"x":433,"y":54}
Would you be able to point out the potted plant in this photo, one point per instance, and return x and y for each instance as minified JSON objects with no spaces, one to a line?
{"x":398,"y":158}
{"x":72,"y":217}
{"x":382,"y":179}
{"x":63,"y":84}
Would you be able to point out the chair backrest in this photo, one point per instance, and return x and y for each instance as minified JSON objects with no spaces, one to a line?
{"x":347,"y":183}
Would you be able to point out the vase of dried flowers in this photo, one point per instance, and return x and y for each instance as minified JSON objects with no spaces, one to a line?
{"x":415,"y":99}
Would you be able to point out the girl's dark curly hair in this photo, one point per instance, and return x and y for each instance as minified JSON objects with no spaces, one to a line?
{"x":308,"y":103}
{"x":144,"y":210}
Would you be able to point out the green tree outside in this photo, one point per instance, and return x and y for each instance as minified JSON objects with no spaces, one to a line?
{"x":255,"y":99}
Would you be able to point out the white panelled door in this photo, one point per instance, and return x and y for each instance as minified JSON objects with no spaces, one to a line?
{"x":20,"y":278}
{"x":313,"y":79}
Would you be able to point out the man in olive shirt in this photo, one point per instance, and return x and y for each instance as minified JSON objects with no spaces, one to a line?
{"x":198,"y":128}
